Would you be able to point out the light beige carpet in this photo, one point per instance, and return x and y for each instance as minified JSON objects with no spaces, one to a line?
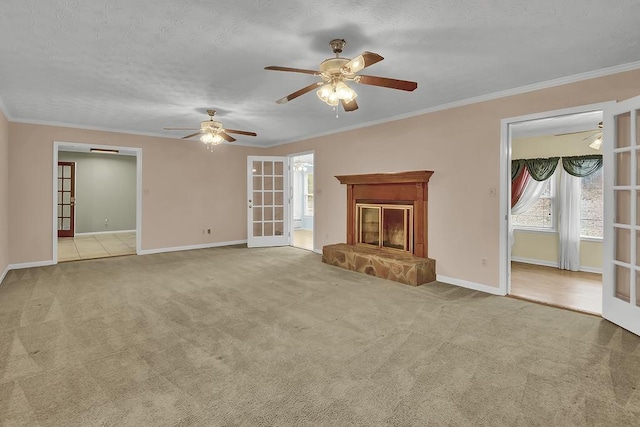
{"x":236,"y":336}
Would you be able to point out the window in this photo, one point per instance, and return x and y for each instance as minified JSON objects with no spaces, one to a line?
{"x":591,"y":206}
{"x":308,"y":194}
{"x":541,"y":215}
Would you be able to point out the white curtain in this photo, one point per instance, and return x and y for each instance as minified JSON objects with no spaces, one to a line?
{"x":530,"y":195}
{"x":569,"y":221}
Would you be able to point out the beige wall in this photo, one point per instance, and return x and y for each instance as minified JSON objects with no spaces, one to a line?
{"x":4,"y":193}
{"x":536,"y":246}
{"x":186,"y":189}
{"x":462,"y":146}
{"x":543,"y":247}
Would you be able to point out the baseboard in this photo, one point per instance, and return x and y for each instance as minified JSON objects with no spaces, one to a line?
{"x":190,"y":247}
{"x":4,"y":273}
{"x":318,"y":251}
{"x":541,"y":262}
{"x":92,"y":233}
{"x":591,"y":270}
{"x":22,"y":265}
{"x":553,"y":264}
{"x":469,"y":285}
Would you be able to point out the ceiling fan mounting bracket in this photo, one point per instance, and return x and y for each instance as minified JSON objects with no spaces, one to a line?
{"x":337,"y":45}
{"x":211,"y":113}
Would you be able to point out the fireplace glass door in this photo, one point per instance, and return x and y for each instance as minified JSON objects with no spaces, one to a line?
{"x":385,"y":226}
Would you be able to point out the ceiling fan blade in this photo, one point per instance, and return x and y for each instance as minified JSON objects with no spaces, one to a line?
{"x":592,"y":135}
{"x":241,"y":132}
{"x":292,"y":70}
{"x":361,"y":61}
{"x":227,"y":137}
{"x":349,"y":106}
{"x":180,"y":128}
{"x":573,"y":133}
{"x":386,"y":82}
{"x":297,"y":93}
{"x":192,"y":135}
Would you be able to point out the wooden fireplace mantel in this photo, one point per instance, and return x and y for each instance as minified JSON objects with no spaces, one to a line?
{"x":409,"y":187}
{"x":386,"y":178}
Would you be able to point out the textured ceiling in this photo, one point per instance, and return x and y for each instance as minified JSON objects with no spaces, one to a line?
{"x":139,"y":65}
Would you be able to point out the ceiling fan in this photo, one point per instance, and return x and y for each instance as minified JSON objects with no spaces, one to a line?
{"x":597,"y":142}
{"x":212,"y":131}
{"x":335,"y":72}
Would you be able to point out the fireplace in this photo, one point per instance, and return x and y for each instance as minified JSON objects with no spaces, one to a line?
{"x":386,"y":227}
{"x":408,"y":189}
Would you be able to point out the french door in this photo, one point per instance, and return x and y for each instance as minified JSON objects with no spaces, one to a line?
{"x":267,"y":201}
{"x":621,"y":272}
{"x":66,"y":199}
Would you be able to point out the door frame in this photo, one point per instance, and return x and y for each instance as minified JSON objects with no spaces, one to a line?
{"x":313,"y":232}
{"x":504,"y":263}
{"x":84,"y":148}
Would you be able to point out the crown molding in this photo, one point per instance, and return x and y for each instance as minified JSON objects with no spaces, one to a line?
{"x":482,"y":98}
{"x":112,"y":130}
{"x":91,"y":128}
{"x":3,"y":109}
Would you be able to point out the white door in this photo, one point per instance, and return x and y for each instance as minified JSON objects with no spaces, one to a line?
{"x":267,"y":201}
{"x":621,"y":270}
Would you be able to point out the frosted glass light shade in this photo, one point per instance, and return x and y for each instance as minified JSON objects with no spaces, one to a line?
{"x":210,"y":138}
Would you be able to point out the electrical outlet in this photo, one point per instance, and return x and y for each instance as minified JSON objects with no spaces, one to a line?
{"x":483,"y":261}
{"x":208,"y":231}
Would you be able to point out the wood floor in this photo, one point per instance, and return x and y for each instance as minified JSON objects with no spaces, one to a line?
{"x":569,"y":289}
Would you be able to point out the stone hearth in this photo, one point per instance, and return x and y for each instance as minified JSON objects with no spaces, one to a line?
{"x":399,"y":266}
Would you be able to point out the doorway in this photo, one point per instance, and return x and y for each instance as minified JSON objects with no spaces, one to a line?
{"x":102,"y":216}
{"x":554,"y":242}
{"x":302,"y":200}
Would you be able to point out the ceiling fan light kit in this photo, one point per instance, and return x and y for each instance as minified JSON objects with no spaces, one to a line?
{"x":597,"y":143}
{"x":211,"y":138}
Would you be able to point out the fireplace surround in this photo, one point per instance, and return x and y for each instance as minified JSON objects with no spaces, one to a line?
{"x":387,"y":227}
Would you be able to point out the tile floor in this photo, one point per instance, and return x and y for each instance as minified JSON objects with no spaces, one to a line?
{"x":96,"y":246}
